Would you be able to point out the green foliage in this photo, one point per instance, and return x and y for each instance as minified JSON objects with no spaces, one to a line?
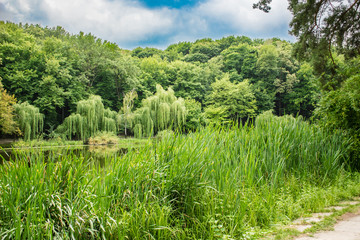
{"x":340,"y":109}
{"x":196,"y":57}
{"x":181,"y":48}
{"x":215,"y":183}
{"x":29,"y":119}
{"x":305,"y":94}
{"x":267,"y":62}
{"x":118,"y":76}
{"x":280,"y":84}
{"x":159,"y":112}
{"x":340,"y":27}
{"x":202,"y":51}
{"x":54,"y":70}
{"x":155,"y":71}
{"x":189,"y":80}
{"x":41,"y":69}
{"x":325,"y":29}
{"x":128,"y":104}
{"x":320,"y":24}
{"x":90,"y":118}
{"x":236,"y":99}
{"x":165,"y":134}
{"x":194,"y":117}
{"x":103,"y":138}
{"x":145,"y":52}
{"x":241,"y":58}
{"x":216,"y":115}
{"x":208,"y":47}
{"x":7,"y":123}
{"x":192,"y":81}
{"x":40,"y":143}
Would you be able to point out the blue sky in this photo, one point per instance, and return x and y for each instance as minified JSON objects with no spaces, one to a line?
{"x":133,"y":23}
{"x":170,"y":3}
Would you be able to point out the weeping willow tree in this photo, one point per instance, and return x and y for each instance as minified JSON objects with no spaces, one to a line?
{"x":29,"y":119}
{"x":90,"y":118}
{"x":128,"y":104}
{"x":159,"y":112}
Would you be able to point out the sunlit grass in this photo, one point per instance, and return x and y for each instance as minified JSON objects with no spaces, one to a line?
{"x":214,"y":184}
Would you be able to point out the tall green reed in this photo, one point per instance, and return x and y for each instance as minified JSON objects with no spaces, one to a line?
{"x":217,"y":183}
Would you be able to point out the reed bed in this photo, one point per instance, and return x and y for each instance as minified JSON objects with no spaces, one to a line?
{"x":218,"y":183}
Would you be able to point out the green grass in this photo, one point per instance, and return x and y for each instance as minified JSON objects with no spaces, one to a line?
{"x":214,"y":184}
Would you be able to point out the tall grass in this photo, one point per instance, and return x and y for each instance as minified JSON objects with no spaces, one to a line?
{"x":214,"y":184}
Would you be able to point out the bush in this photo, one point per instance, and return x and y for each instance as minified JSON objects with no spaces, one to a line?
{"x":164,"y":134}
{"x":103,"y":138}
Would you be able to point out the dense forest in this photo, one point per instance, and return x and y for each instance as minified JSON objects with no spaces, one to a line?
{"x":76,"y":85}
{"x":220,"y":80}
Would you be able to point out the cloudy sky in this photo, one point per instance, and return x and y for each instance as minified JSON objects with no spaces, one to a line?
{"x":132,"y":23}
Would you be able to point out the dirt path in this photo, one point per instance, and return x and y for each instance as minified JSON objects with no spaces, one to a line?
{"x":347,"y":227}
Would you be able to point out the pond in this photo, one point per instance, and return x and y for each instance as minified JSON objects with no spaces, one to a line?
{"x":99,"y":153}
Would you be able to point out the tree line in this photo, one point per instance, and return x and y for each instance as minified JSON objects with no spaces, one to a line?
{"x":210,"y":82}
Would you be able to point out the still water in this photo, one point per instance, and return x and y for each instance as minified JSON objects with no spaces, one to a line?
{"x":98,"y":153}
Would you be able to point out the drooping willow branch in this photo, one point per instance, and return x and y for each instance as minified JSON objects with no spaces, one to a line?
{"x":159,"y":112}
{"x":90,"y":118}
{"x":30,"y":120}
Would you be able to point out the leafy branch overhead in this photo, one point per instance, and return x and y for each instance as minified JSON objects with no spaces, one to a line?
{"x":263,"y":5}
{"x":321,"y":24}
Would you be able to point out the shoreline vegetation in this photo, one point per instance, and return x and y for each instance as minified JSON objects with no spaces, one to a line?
{"x":127,"y":142}
{"x":216,"y":183}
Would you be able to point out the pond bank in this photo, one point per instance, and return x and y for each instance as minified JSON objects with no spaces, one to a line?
{"x":6,"y":141}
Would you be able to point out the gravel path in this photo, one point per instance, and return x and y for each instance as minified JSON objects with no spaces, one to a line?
{"x":348,"y":228}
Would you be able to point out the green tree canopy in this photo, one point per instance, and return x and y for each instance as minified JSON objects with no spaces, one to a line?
{"x":7,"y":122}
{"x":54,"y":70}
{"x":319,"y":24}
{"x":241,"y":58}
{"x":29,"y":119}
{"x":128,"y":104}
{"x":194,"y":117}
{"x":341,"y":108}
{"x":237,"y":99}
{"x":90,"y":118}
{"x":159,"y":112}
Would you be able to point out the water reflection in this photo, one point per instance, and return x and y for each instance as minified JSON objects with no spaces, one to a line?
{"x":98,"y":153}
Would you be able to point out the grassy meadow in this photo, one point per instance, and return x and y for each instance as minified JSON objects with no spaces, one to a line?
{"x":217,"y":183}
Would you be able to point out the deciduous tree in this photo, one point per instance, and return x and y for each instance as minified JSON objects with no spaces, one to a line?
{"x":159,"y":112}
{"x":7,"y":122}
{"x":237,"y":99}
{"x":29,"y":119}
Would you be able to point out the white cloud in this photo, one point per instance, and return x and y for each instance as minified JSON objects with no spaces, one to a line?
{"x":127,"y":22}
{"x":114,"y":20}
{"x":118,"y":21}
{"x":219,"y":18}
{"x":240,"y":15}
